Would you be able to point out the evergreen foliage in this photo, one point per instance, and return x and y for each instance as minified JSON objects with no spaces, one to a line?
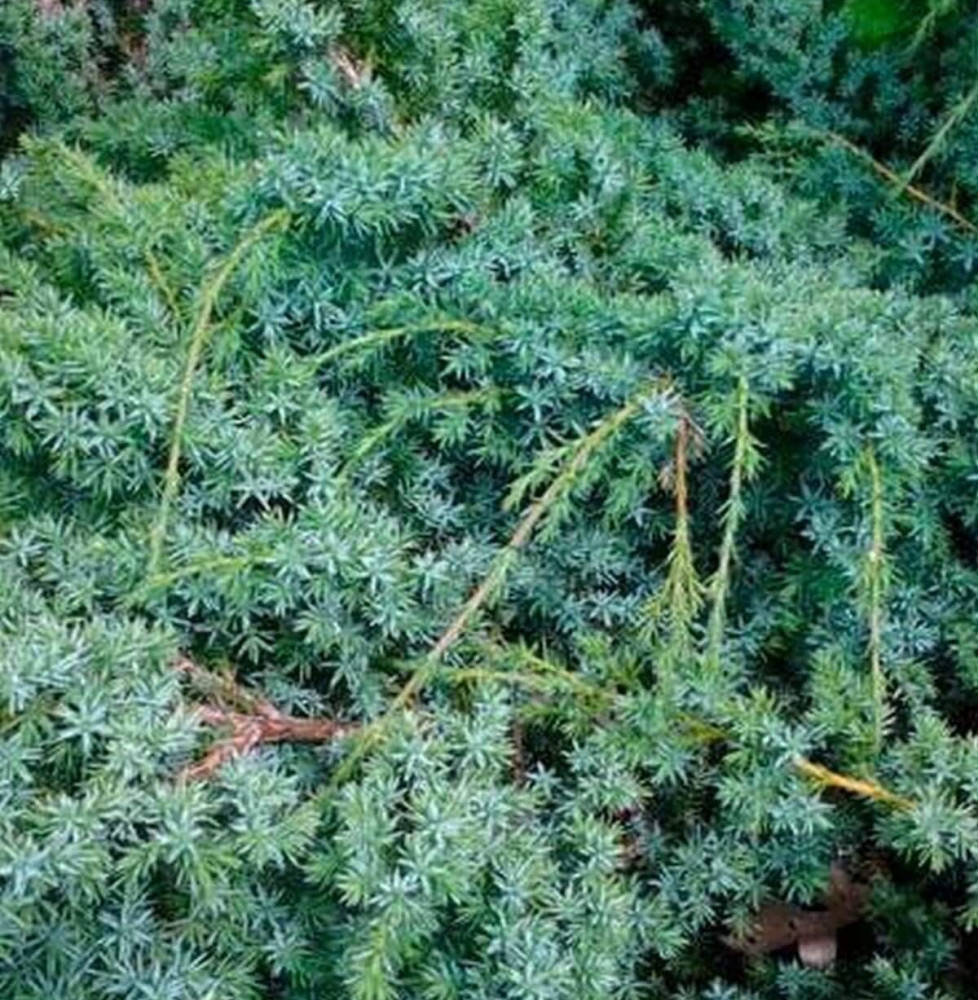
{"x":590,"y":437}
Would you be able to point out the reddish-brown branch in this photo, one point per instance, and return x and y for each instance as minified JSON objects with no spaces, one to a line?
{"x":260,"y":722}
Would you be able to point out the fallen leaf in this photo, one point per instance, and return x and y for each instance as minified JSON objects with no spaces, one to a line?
{"x":780,"y":925}
{"x":818,"y":952}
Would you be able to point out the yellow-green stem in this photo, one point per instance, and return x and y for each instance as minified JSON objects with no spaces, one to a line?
{"x":681,"y":595}
{"x":428,"y":666}
{"x":847,"y":783}
{"x":957,"y":114}
{"x":720,"y":584}
{"x":198,"y":339}
{"x":875,"y":568}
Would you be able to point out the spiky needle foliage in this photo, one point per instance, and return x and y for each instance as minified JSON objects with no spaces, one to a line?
{"x":427,"y":367}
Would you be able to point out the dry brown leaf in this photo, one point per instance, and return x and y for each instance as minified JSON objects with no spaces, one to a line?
{"x":781,"y":925}
{"x":818,"y":952}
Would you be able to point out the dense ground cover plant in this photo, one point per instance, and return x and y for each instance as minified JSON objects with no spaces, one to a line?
{"x":578,"y":485}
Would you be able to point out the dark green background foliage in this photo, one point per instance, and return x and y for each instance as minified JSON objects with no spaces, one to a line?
{"x":360,"y":271}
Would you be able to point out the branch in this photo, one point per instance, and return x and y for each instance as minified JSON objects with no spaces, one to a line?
{"x":209,"y":295}
{"x":875,"y":573}
{"x":260,"y":722}
{"x":856,"y":786}
{"x":957,"y":115}
{"x":901,"y":186}
{"x":559,"y":488}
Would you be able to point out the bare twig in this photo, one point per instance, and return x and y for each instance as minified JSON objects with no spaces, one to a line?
{"x":902,"y":187}
{"x":259,"y":722}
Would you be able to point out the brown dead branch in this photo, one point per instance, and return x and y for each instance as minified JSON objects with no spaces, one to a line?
{"x":256,"y":721}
